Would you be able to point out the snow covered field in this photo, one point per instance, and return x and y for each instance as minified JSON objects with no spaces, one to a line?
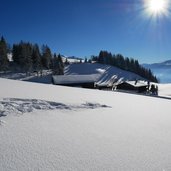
{"x":47,"y":127}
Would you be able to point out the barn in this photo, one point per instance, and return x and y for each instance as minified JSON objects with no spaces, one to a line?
{"x":84,"y":81}
{"x":136,"y":86}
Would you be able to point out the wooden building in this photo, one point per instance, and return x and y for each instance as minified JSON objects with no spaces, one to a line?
{"x":136,"y":86}
{"x":85,"y":81}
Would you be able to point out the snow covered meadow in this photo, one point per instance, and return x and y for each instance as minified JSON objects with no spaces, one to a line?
{"x":48,"y":127}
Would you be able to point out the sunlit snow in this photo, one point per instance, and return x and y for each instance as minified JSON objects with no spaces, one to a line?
{"x":64,"y":128}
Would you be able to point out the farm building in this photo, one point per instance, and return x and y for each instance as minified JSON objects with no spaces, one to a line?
{"x":137,"y":86}
{"x":85,"y":81}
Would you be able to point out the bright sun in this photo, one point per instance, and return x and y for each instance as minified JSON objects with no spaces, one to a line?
{"x":157,"y":7}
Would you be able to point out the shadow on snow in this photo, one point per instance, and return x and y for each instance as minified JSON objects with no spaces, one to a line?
{"x":20,"y":106}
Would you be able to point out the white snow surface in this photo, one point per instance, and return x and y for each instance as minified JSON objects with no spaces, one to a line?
{"x":165,"y":90}
{"x":79,"y":129}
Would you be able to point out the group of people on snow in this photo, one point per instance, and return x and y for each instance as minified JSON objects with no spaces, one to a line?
{"x":153,"y":89}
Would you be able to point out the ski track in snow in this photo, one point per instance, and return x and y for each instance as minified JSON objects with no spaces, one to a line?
{"x":21,"y":106}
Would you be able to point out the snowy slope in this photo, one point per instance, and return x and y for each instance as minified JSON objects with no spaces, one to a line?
{"x":79,"y":129}
{"x":165,"y":90}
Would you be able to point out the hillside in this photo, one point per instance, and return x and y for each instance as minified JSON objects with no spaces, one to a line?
{"x":47,"y":127}
{"x":106,"y":74}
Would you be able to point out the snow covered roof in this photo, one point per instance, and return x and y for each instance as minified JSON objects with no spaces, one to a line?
{"x":75,"y":79}
{"x":109,"y":74}
{"x":137,"y":83}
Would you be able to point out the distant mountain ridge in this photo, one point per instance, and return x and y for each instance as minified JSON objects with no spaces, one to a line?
{"x":162,"y":65}
{"x":161,"y":70}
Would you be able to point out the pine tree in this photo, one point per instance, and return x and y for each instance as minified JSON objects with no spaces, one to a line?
{"x":94,"y":58}
{"x":26,"y":57}
{"x":36,"y":58}
{"x":15,"y":53}
{"x":101,"y":57}
{"x":46,"y":57}
{"x":66,"y":62}
{"x":85,"y":61}
{"x":22,"y":56}
{"x":60,"y":65}
{"x":3,"y":55}
{"x":55,"y":65}
{"x":128,"y":64}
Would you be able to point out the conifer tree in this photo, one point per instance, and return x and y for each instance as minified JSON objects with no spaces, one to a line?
{"x":46,"y":57}
{"x":55,"y":65}
{"x":128,"y":64}
{"x":60,"y":65}
{"x":85,"y":61}
{"x":3,"y":55}
{"x":26,"y":57}
{"x":66,"y":62}
{"x":36,"y":58}
{"x":15,"y":53}
{"x":22,"y":56}
{"x":101,"y":57}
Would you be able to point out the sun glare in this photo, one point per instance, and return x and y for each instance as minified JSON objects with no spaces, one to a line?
{"x":157,"y":7}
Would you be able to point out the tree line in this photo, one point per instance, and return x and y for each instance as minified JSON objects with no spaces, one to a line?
{"x":28,"y":57}
{"x":124,"y":63}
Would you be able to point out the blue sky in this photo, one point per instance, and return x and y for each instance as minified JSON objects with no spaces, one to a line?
{"x":84,"y":27}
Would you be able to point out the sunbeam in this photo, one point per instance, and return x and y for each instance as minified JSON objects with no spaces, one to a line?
{"x":157,"y":8}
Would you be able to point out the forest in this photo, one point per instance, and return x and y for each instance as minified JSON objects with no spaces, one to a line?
{"x":28,"y":57}
{"x":125,"y":63}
